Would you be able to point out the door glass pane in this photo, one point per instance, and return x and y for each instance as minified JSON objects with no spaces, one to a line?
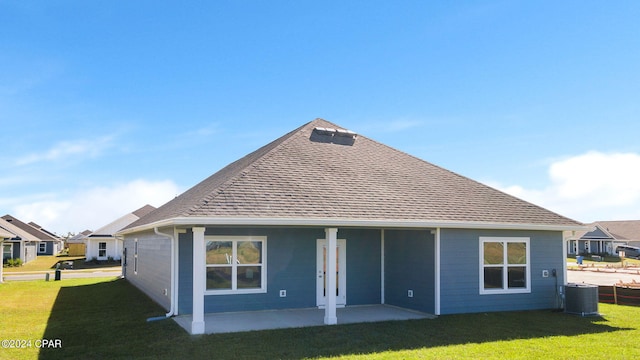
{"x":249,"y":277}
{"x":249,"y":252}
{"x":324,"y":271}
{"x":493,"y":253}
{"x":516,"y":253}
{"x":219,"y":278}
{"x":219,"y":252}
{"x":493,"y":278}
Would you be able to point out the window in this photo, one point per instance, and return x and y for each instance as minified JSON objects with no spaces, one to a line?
{"x":235,"y":264}
{"x":42,"y":247}
{"x":7,"y":251}
{"x":135,"y":256}
{"x":102,"y":249}
{"x":504,"y":265}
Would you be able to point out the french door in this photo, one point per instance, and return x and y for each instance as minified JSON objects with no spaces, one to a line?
{"x":341,"y":273}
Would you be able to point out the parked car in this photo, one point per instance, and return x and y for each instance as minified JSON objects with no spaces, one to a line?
{"x":629,"y":251}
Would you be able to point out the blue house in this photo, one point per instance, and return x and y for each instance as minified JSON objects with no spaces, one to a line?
{"x":20,"y":245}
{"x":47,"y":242}
{"x":268,"y":230}
{"x":604,"y":237}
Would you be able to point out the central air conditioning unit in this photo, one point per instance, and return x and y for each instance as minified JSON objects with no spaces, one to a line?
{"x":581,"y":299}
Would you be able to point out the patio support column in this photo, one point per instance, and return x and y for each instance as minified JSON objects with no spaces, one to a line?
{"x":382,"y":266}
{"x":199,"y":264}
{"x":437,"y":272}
{"x":2,"y":258}
{"x":330,"y":318}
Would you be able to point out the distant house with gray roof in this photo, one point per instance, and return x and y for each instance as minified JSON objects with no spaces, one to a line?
{"x":22,"y":245}
{"x":603,"y":237}
{"x":48,"y":242}
{"x":267,"y":231}
{"x":102,"y":244}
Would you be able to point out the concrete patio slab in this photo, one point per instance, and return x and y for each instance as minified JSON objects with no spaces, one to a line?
{"x":291,"y":318}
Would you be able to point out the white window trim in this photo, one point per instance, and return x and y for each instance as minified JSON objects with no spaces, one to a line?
{"x":235,"y":240}
{"x":505,"y":240}
{"x":40,"y":249}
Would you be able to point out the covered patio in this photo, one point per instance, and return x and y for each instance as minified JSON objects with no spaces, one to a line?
{"x":291,"y":318}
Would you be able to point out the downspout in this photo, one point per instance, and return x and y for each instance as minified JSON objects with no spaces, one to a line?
{"x":173,"y":272}
{"x":123,"y":258}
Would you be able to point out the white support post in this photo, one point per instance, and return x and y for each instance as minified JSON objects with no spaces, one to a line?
{"x":382,"y":266}
{"x":564,"y":263}
{"x":437,"y":272}
{"x":2,"y":259}
{"x":330,"y":318}
{"x":199,"y":270}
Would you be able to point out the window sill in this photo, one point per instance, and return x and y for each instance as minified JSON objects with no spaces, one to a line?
{"x":503,"y":291}
{"x":235,"y":292}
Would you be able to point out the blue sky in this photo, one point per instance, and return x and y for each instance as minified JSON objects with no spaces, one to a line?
{"x":108,"y":105}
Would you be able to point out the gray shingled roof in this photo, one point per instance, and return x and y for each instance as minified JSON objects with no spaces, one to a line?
{"x":120,"y":223}
{"x":627,"y":230}
{"x":313,"y":174}
{"x":12,"y":228}
{"x":36,"y":233}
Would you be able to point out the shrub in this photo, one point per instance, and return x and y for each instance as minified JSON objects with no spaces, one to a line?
{"x":14,"y":262}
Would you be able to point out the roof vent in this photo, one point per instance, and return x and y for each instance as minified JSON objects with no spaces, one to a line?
{"x":333,"y":136}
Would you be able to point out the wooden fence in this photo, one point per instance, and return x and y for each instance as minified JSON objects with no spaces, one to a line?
{"x":621,"y":295}
{"x":76,"y":249}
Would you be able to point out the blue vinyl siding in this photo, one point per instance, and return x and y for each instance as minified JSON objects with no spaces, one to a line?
{"x":459,"y":279}
{"x":409,"y":265}
{"x":291,"y":266}
{"x":17,"y":250}
{"x":363,"y":265}
{"x":154,"y":266}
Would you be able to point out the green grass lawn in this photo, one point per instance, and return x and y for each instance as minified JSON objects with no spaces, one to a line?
{"x":106,"y":319}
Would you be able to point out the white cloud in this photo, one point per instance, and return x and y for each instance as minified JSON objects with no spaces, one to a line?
{"x":590,"y":187}
{"x":95,"y":207}
{"x":65,"y":149}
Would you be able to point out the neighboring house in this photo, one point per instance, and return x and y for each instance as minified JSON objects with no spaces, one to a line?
{"x":102,"y":244}
{"x":603,"y":237}
{"x":52,"y":246}
{"x":262,"y":232}
{"x":21,"y":246}
{"x":76,"y":244}
{"x":48,"y":244}
{"x":4,"y":235}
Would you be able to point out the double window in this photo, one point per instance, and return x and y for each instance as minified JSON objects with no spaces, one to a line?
{"x":236,"y":264}
{"x":504,"y":265}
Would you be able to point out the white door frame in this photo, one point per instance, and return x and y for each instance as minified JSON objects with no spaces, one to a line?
{"x":341,"y":298}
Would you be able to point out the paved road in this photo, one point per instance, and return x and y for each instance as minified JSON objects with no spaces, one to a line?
{"x":65,"y":274}
{"x":601,"y":278}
